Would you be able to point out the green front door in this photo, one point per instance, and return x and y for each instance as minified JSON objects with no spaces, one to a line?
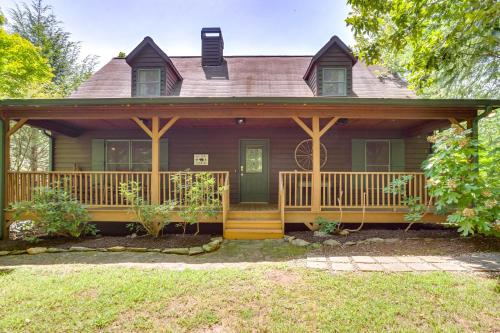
{"x":254,"y":171}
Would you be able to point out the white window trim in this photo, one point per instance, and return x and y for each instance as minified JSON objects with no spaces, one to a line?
{"x":378,"y":140}
{"x":138,"y":83}
{"x":129,"y":163}
{"x":323,"y":80}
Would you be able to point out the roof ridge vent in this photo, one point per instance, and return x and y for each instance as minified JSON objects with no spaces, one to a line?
{"x":212,"y":47}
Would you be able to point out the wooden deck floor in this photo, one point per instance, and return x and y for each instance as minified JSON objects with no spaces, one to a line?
{"x":253,"y":207}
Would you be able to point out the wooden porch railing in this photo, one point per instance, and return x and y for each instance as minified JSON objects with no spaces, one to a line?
{"x":345,"y":189}
{"x":91,"y":188}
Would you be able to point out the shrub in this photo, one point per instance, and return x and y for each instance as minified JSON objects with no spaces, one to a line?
{"x":416,"y":209}
{"x":201,"y":197}
{"x":54,"y":212}
{"x":152,"y":217}
{"x":326,"y":225}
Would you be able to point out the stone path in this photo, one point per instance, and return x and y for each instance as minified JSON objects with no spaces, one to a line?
{"x":477,"y":262}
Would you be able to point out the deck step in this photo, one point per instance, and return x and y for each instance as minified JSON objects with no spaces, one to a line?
{"x":253,"y":215}
{"x":253,"y":224}
{"x":240,"y":233}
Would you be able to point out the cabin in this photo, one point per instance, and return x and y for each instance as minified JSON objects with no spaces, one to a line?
{"x":290,"y":138}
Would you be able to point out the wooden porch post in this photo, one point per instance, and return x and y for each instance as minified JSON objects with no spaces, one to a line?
{"x":316,"y":167}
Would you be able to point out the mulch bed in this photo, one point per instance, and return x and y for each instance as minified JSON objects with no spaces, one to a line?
{"x":166,"y":241}
{"x":429,"y":241}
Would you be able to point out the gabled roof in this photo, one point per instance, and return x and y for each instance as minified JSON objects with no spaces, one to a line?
{"x":333,"y":41}
{"x":148,"y":41}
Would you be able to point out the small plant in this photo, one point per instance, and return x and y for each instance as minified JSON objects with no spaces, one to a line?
{"x":54,"y":213}
{"x":152,"y":217}
{"x":201,"y":197}
{"x":326,"y":225}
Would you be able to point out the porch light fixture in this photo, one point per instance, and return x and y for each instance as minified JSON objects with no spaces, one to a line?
{"x":240,"y":121}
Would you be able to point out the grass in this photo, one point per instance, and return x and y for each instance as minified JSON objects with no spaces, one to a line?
{"x":272,"y":299}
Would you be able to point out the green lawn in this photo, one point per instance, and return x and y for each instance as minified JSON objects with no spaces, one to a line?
{"x":271,"y":299}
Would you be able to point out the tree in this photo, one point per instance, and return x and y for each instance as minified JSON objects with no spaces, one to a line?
{"x":443,"y":48}
{"x":23,"y":70}
{"x":38,"y":23}
{"x":29,"y":150}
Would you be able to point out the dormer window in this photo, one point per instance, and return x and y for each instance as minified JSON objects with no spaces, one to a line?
{"x":334,"y":82}
{"x":148,"y":82}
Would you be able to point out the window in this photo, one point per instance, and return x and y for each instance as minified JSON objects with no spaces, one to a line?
{"x":334,"y":82}
{"x":128,"y":155}
{"x":148,"y":82}
{"x":377,"y":155}
{"x":254,"y":160}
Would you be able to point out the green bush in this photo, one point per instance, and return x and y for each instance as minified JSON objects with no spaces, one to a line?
{"x":416,"y":209}
{"x":152,"y":217}
{"x":326,"y":225}
{"x":55,"y":213}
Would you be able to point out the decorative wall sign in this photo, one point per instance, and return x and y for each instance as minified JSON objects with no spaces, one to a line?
{"x":200,"y":159}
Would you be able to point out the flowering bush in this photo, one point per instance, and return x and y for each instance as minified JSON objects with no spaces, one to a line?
{"x":459,"y":189}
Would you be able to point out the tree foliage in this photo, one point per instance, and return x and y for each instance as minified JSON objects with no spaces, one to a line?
{"x":37,"y":23}
{"x":30,"y":150}
{"x":443,"y":48}
{"x":23,"y":70}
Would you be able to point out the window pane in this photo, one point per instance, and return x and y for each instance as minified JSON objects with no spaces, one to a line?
{"x":334,"y":89}
{"x":141,"y":152}
{"x":254,"y":160}
{"x":148,"y":89}
{"x":334,"y":74}
{"x":117,"y":167}
{"x":377,"y":155}
{"x":149,"y":75}
{"x":117,"y":152}
{"x":141,"y":167}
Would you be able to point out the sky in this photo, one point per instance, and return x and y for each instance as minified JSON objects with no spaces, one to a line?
{"x":251,"y":27}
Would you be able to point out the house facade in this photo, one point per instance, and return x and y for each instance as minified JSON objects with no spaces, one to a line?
{"x":290,"y":137}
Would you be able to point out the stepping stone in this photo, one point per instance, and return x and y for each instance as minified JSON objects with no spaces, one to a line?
{"x":316,"y":258}
{"x":449,"y":266}
{"x":340,"y":259}
{"x":370,"y":267}
{"x":421,"y":266}
{"x":409,"y":259}
{"x":336,"y":266}
{"x":396,"y":267}
{"x":317,"y":264}
{"x":387,"y":259}
{"x":363,"y":259}
{"x":436,"y":258}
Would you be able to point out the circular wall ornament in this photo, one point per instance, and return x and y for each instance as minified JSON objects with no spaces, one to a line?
{"x":303,"y":155}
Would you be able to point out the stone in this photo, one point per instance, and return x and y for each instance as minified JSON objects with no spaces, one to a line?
{"x":391,"y":240}
{"x":320,"y":234}
{"x":288,"y":238}
{"x":195,"y":250}
{"x":299,"y":242}
{"x":36,"y":250}
{"x":80,"y":249}
{"x":116,"y":249}
{"x":134,"y":235}
{"x":317,"y":265}
{"x":154,"y":250}
{"x":217,"y":239}
{"x":101,"y":249}
{"x":350,"y":243}
{"x":137,"y":249}
{"x":211,"y":247}
{"x":364,"y":259}
{"x":340,"y":266}
{"x":315,"y":245}
{"x":4,"y":253}
{"x":343,"y":232}
{"x":18,"y":252}
{"x":177,"y":250}
{"x":374,"y":240}
{"x":332,"y":242}
{"x":55,"y":250}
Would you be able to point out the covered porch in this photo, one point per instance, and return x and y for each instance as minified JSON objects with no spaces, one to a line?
{"x":236,"y":135}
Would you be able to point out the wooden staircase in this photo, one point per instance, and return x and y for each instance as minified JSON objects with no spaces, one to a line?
{"x":253,"y":225}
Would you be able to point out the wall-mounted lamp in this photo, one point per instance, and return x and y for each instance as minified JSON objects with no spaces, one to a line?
{"x":240,"y":121}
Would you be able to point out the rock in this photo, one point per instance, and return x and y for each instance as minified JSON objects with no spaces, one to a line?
{"x":217,"y":239}
{"x":288,"y":238}
{"x":350,"y":243}
{"x":55,"y":250}
{"x":177,"y":250}
{"x":154,"y":250}
{"x":427,"y":239}
{"x":18,"y":252}
{"x":137,"y":249}
{"x":116,"y":249}
{"x":320,"y":234}
{"x":299,"y":242}
{"x":343,"y":232}
{"x":25,"y":229}
{"x":374,"y":240}
{"x":80,"y":249}
{"x":101,"y":249}
{"x":36,"y":250}
{"x":391,"y":240}
{"x":332,"y":242}
{"x":211,"y":247}
{"x":195,"y":250}
{"x":315,"y":245}
{"x":4,"y":253}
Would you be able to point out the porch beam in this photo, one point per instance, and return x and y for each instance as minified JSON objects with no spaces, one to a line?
{"x":17,"y":126}
{"x":303,"y":125}
{"x":316,"y":166}
{"x":58,"y":127}
{"x":155,"y":161}
{"x":328,"y":126}
{"x":143,"y":126}
{"x":167,"y":126}
{"x":454,"y":121}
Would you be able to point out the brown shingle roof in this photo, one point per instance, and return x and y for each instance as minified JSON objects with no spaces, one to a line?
{"x":240,"y":76}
